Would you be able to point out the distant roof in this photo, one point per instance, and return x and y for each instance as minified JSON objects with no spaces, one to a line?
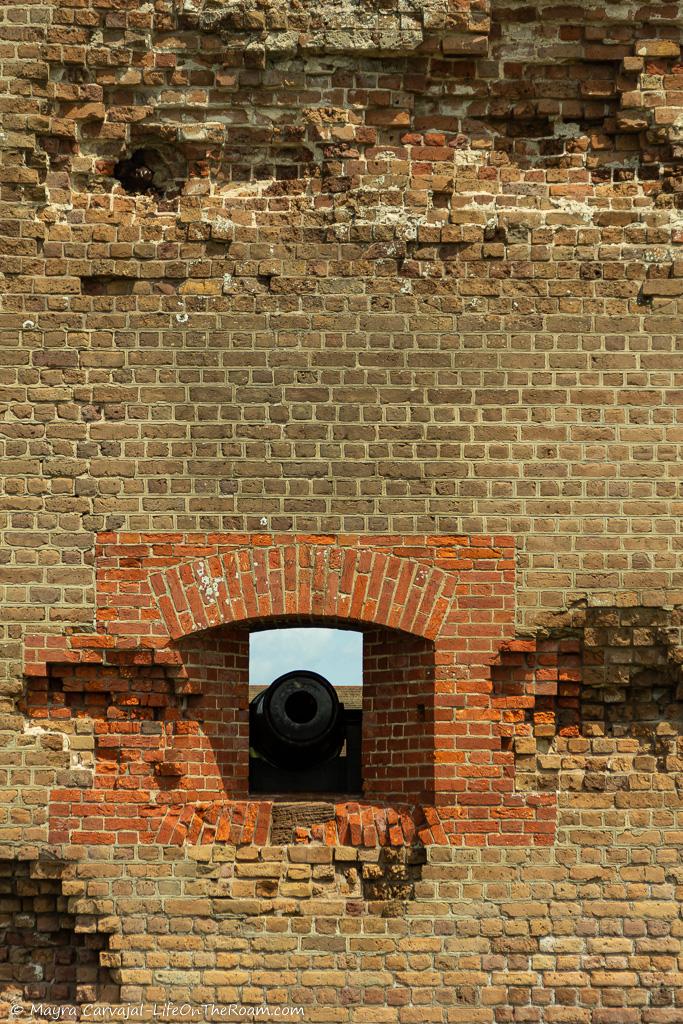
{"x":350,"y":696}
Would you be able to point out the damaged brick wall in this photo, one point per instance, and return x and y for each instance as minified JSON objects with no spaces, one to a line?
{"x":48,"y":954}
{"x":545,"y":884}
{"x":389,"y":267}
{"x":361,"y":269}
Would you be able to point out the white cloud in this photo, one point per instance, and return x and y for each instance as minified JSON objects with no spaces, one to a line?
{"x":337,"y":654}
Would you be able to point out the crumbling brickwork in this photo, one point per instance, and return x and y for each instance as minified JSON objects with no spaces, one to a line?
{"x":364,"y":313}
{"x":48,"y":954}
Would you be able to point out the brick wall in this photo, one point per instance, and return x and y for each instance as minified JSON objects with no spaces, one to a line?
{"x":379,"y":277}
{"x":534,"y":875}
{"x":421,"y":281}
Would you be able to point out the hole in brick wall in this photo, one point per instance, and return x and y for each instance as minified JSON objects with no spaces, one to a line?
{"x":389,"y":722}
{"x":102,"y":284}
{"x":151,"y":171}
{"x":135,"y":173}
{"x":305,"y":710}
{"x":441,"y":200}
{"x":42,"y":955}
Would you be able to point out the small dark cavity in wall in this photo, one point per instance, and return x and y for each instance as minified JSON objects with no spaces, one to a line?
{"x":151,"y":171}
{"x":135,"y":173}
{"x":442,"y":200}
{"x":103,"y":284}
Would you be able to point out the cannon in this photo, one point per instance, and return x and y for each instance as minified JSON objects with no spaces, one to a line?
{"x":302,"y":739}
{"x":298,"y":723}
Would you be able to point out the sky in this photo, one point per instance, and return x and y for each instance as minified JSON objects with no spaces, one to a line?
{"x":337,"y":654}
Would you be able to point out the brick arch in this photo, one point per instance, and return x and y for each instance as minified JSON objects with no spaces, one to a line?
{"x":321,"y":581}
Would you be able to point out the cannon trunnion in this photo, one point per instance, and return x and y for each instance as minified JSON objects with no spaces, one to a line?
{"x":302,"y":738}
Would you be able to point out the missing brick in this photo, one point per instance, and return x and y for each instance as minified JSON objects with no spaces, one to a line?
{"x":104,"y":284}
{"x":136,"y":175}
{"x":392,"y":878}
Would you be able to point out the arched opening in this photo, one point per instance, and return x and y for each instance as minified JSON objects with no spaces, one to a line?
{"x":387,"y":751}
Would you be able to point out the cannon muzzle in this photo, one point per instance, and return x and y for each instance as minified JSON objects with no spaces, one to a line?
{"x":298,"y":722}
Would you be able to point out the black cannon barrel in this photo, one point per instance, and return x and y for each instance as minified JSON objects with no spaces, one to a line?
{"x":298,"y":722}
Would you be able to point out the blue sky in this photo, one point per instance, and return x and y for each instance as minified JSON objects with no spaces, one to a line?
{"x":336,"y":654}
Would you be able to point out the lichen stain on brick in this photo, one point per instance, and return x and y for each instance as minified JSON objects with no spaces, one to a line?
{"x":362,"y":313}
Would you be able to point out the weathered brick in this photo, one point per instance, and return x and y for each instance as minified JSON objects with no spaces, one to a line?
{"x":377,"y":291}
